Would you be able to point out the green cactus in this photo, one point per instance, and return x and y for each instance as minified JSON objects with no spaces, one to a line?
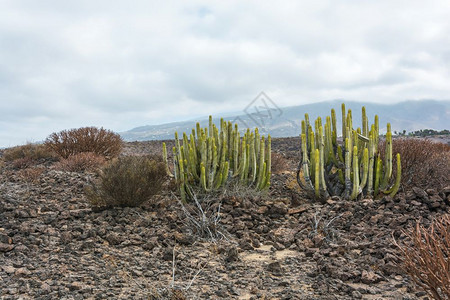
{"x":350,"y":169}
{"x":355,"y":188}
{"x":209,"y":157}
{"x":365,"y":169}
{"x":396,"y":186}
{"x":165,"y":160}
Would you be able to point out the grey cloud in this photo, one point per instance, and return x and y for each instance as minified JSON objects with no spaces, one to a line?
{"x":121,"y":65}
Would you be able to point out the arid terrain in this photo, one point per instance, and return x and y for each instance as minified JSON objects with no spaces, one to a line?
{"x":274,"y":245}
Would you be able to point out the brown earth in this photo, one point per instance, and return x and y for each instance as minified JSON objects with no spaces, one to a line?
{"x":278,"y":245}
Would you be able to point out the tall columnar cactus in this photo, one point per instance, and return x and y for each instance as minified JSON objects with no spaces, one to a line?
{"x":210,"y":156}
{"x":350,"y":169}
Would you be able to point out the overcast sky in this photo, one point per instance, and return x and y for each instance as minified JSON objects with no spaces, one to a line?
{"x":122,"y":64}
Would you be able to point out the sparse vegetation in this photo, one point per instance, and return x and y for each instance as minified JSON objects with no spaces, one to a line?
{"x":86,"y":139}
{"x":427,"y":259}
{"x":428,"y":132}
{"x":127,"y":181}
{"x":84,"y":161}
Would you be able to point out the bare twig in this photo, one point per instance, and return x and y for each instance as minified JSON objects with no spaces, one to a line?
{"x":173,"y":267}
{"x":205,"y":222}
{"x":320,"y":226}
{"x":195,"y":276}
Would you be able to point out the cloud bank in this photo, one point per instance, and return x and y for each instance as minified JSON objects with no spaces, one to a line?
{"x":121,"y":64}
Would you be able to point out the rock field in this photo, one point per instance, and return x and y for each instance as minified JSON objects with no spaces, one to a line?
{"x":278,"y":245}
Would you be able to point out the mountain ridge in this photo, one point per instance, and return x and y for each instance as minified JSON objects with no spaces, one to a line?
{"x":409,"y":115}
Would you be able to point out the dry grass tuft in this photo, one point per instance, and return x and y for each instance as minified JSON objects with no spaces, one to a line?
{"x":85,"y":161}
{"x":427,"y":260}
{"x":31,"y":175}
{"x":22,"y":163}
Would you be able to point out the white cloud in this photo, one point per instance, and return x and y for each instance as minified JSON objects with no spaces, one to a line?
{"x":120,"y":64}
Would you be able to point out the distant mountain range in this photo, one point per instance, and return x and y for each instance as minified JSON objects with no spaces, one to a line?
{"x":286,"y":122}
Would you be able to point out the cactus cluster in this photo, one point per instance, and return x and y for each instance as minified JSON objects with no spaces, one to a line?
{"x":349,"y":169}
{"x":210,"y":156}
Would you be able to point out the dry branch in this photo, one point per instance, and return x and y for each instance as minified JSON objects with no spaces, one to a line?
{"x":427,"y":259}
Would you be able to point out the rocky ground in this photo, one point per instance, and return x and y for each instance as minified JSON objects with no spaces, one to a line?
{"x":278,"y":245}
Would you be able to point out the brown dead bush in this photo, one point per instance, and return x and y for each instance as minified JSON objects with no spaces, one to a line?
{"x":31,"y":175}
{"x":85,"y":161}
{"x":22,"y":163}
{"x":427,"y":259}
{"x":127,"y":181}
{"x":87,"y":139}
{"x":425,"y":164}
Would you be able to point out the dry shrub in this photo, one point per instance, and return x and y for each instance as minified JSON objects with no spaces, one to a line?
{"x":128,"y":181}
{"x":22,"y":163}
{"x":425,"y":164}
{"x":279,"y":163}
{"x":87,"y":139}
{"x":31,"y":152}
{"x":85,"y":161}
{"x":427,"y":260}
{"x":31,"y":175}
{"x":292,"y":184}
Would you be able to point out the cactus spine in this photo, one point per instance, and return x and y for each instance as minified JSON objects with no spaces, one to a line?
{"x":209,"y":157}
{"x":350,"y":169}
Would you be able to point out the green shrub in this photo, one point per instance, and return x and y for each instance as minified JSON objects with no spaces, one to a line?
{"x":127,"y":181}
{"x":87,"y":139}
{"x":429,"y":132}
{"x":85,"y":161}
